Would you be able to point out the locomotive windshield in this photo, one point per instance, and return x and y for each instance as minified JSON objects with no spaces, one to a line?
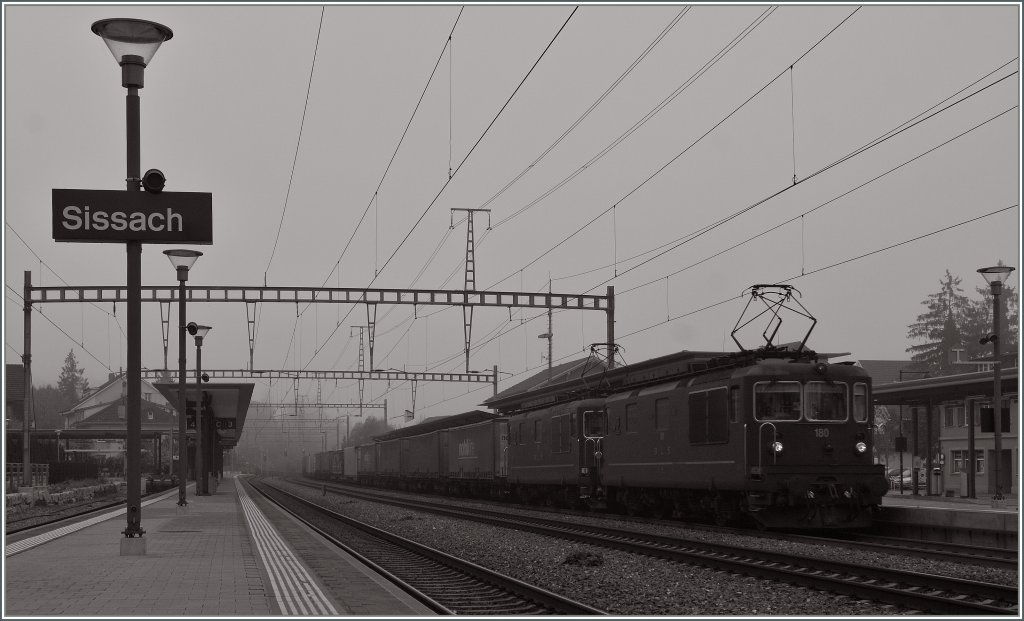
{"x":777,"y":401}
{"x":825,"y":402}
{"x":813,"y":401}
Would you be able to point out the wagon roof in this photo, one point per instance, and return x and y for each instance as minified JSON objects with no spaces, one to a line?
{"x":590,"y":376}
{"x":438,"y":422}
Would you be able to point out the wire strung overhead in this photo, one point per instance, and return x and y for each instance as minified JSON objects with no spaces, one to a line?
{"x":302,"y":123}
{"x":460,"y":165}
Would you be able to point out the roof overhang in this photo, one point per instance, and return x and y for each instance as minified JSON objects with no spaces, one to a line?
{"x":228,"y":402}
{"x":944,"y":388}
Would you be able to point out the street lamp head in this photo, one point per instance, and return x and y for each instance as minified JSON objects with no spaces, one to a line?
{"x":197,"y":331}
{"x":154,"y":181}
{"x":999,"y":273}
{"x":132,"y":40}
{"x":182,"y":260}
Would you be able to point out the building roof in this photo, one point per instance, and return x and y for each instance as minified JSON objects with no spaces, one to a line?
{"x":888,"y":371}
{"x":934,"y":390}
{"x":228,"y":403}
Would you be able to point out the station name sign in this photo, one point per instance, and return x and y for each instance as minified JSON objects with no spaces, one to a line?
{"x":121,"y":216}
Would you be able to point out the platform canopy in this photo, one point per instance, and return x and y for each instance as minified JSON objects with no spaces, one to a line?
{"x":227,"y":402}
{"x":944,"y":388}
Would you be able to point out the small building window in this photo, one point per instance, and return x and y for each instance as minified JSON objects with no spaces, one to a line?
{"x":960,"y":463}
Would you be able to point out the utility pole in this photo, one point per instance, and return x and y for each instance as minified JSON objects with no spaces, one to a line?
{"x":549,"y":335}
{"x":467,"y":309}
{"x":361,"y":365}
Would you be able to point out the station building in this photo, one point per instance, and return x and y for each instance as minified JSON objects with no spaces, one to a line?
{"x":959,"y":406}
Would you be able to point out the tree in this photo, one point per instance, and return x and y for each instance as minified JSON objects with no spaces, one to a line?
{"x":364,"y":431}
{"x":47,"y":404}
{"x":72,"y":383}
{"x":949,"y":314}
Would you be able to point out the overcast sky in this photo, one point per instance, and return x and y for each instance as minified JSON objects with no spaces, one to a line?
{"x":605,"y":140}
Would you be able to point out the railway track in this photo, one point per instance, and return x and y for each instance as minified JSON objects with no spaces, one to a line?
{"x":999,"y":558}
{"x":914,"y":591}
{"x":444,"y":583}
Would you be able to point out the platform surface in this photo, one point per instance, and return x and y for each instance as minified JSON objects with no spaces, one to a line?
{"x":221,"y":556}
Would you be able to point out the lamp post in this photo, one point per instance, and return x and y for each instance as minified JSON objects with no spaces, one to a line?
{"x":995,"y":277}
{"x":199,"y":332}
{"x":182,"y":260}
{"x":133,"y":42}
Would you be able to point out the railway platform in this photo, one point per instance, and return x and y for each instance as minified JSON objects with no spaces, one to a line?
{"x":223,"y":555}
{"x":977,"y":521}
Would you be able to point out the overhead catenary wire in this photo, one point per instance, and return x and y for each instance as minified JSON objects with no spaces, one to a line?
{"x":374,"y":199}
{"x":682,"y":153}
{"x":648,"y":116}
{"x":586,"y":113}
{"x":298,"y":144}
{"x":869,"y":144}
{"x":62,"y":331}
{"x":59,"y":277}
{"x":398,"y":146}
{"x":650,"y":47}
{"x":830,"y":201}
{"x":460,"y":165}
{"x":812,"y":175}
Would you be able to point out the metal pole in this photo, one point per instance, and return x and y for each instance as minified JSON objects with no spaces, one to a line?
{"x":26,"y":360}
{"x":997,"y":388}
{"x":200,"y":432}
{"x":182,"y":385}
{"x":914,"y":455}
{"x":928,"y":442}
{"x":611,"y":327}
{"x":971,"y":489}
{"x":133,"y":410}
{"x":904,"y":448}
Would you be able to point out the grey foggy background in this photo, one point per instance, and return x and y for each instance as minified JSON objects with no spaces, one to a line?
{"x":291,"y":122}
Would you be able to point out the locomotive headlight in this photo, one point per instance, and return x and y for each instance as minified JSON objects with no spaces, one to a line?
{"x":777,"y":446}
{"x":861,"y":447}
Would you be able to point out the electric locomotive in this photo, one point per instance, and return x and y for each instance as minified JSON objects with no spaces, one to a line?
{"x":775,"y":435}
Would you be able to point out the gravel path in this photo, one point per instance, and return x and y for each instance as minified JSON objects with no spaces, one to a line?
{"x":627,"y":584}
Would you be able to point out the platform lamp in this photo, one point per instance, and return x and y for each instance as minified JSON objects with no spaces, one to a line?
{"x":995,"y":277}
{"x":201,"y":484}
{"x":133,"y":42}
{"x":182,"y":260}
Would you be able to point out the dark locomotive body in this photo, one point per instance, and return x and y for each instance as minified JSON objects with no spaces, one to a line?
{"x":776,"y":437}
{"x":786,"y":443}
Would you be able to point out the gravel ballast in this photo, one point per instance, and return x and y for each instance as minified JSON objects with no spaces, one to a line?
{"x":628,"y":584}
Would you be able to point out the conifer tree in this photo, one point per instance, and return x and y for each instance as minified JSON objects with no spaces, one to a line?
{"x":942,"y":327}
{"x":72,"y":383}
